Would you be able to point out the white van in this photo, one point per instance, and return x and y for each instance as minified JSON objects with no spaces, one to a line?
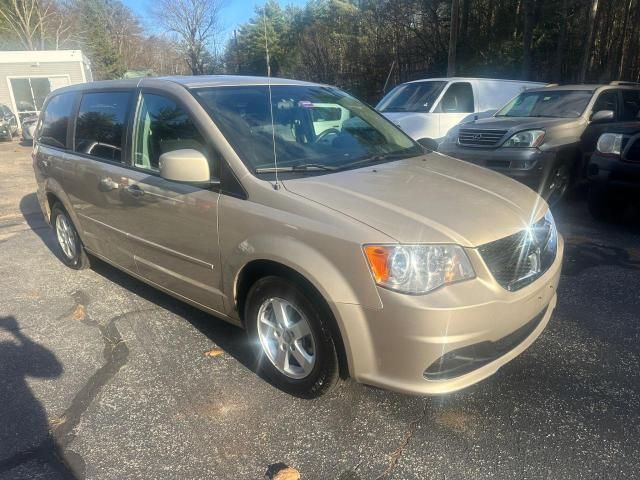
{"x":429,"y":108}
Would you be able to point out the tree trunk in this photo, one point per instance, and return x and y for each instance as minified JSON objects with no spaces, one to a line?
{"x":453,"y":38}
{"x":528,"y":10}
{"x":563,"y":29}
{"x":593,"y":10}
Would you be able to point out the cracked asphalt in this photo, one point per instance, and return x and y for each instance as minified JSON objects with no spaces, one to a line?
{"x":103,"y":377}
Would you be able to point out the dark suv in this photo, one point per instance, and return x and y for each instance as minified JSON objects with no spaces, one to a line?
{"x":545,"y":136}
{"x":614,"y":170}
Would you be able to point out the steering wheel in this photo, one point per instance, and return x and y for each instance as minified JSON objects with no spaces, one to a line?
{"x":326,"y":133}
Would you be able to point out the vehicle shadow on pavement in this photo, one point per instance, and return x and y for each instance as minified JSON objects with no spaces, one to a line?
{"x":25,"y":435}
{"x":32,"y":214}
{"x":230,"y":338}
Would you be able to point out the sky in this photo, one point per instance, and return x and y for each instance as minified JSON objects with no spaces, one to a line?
{"x":234,"y":13}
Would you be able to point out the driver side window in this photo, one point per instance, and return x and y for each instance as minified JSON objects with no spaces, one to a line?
{"x":607,"y":101}
{"x":457,"y":99}
{"x":162,"y":126}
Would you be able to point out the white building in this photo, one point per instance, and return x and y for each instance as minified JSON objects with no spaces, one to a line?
{"x":27,"y":77}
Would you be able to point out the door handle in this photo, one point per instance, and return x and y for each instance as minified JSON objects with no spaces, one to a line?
{"x":107,"y":184}
{"x":135,"y":191}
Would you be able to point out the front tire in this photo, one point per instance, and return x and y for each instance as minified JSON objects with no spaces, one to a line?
{"x":295,"y":349}
{"x":72,"y":251}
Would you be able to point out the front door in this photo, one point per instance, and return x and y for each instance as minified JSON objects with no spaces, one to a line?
{"x":173,"y":227}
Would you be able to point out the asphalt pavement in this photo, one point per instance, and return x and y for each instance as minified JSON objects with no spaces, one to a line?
{"x":103,"y":377}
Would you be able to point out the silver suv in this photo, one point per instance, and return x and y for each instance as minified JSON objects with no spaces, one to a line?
{"x":302,"y":215}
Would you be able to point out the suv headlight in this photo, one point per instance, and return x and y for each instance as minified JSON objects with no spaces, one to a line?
{"x":417,"y":269}
{"x":525,"y":139}
{"x":610,"y":143}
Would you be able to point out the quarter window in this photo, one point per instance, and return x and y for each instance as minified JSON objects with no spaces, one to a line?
{"x":162,"y":126}
{"x":457,"y":99}
{"x":55,"y":121}
{"x":101,"y":123}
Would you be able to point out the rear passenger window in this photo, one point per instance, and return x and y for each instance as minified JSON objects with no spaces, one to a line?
{"x":457,"y":99}
{"x":101,"y":123}
{"x":631,"y":105}
{"x":162,"y":126}
{"x":55,"y":121}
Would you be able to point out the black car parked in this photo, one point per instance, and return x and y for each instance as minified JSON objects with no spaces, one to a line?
{"x":8,"y":123}
{"x":614,"y":170}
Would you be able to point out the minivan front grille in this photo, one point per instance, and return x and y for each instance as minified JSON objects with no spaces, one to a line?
{"x":480,"y":137}
{"x":633,"y":151}
{"x":519,"y":259}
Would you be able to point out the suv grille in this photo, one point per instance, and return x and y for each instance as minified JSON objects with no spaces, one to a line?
{"x":480,"y":138}
{"x":633,"y":152}
{"x":519,"y":259}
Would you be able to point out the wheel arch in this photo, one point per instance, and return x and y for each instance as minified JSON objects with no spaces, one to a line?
{"x":256,"y":269}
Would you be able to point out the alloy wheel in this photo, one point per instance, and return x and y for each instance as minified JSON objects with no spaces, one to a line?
{"x":286,"y":338}
{"x":66,"y":236}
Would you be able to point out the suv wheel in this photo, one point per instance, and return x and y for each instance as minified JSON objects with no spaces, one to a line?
{"x":73,"y":253}
{"x":558,"y":184}
{"x":294,"y":347}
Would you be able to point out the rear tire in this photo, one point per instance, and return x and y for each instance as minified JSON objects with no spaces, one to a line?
{"x":293,"y":344}
{"x":72,"y":250}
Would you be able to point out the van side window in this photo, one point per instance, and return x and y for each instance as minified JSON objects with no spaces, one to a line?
{"x":607,"y":101}
{"x":55,"y":121}
{"x":457,"y":99}
{"x":162,"y":126}
{"x":630,"y":105}
{"x":101,"y":124}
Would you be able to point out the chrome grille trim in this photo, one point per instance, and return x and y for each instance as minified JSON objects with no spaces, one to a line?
{"x":480,"y":137}
{"x":519,"y":259}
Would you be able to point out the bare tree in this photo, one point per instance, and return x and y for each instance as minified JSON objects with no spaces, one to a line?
{"x":453,"y":38}
{"x":593,"y":10}
{"x":28,"y":20}
{"x":196,"y":25}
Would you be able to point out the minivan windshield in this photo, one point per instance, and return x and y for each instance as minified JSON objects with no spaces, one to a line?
{"x":553,"y":104}
{"x":412,"y":97}
{"x":316,"y":129}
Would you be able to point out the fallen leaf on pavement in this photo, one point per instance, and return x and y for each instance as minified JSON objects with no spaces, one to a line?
{"x":288,"y":473}
{"x":216,"y":352}
{"x":79,"y":313}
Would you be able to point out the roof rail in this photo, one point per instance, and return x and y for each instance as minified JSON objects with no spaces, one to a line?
{"x":622,"y":83}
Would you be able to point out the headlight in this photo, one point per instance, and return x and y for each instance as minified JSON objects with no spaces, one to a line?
{"x":417,"y":269}
{"x":526,"y":138}
{"x":610,"y":143}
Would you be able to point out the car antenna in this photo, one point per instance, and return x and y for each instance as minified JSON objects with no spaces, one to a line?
{"x":276,"y":185}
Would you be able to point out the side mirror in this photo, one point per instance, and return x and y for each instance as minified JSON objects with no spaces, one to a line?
{"x":185,"y":166}
{"x":428,"y":144}
{"x":603,"y":116}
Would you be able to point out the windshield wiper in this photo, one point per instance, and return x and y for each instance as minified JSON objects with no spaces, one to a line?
{"x":303,"y":167}
{"x":381,"y":157}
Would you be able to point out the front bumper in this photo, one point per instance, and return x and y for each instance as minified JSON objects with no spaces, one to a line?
{"x":404,"y":345}
{"x":529,"y":166}
{"x":609,"y":170}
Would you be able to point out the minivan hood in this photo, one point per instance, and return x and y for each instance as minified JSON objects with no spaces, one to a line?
{"x":427,"y":199}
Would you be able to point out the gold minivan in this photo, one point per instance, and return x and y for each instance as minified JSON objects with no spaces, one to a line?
{"x":293,"y":210}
